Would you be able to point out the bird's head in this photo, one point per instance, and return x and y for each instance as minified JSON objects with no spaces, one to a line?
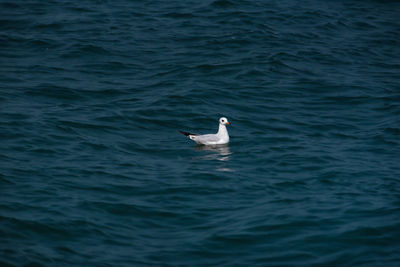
{"x":224,"y":121}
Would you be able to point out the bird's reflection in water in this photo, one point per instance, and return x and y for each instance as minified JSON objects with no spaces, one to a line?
{"x":217,"y":152}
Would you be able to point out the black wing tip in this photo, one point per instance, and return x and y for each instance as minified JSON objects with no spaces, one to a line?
{"x":185,"y":133}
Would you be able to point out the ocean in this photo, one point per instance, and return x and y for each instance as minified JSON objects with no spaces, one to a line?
{"x":93,"y":170}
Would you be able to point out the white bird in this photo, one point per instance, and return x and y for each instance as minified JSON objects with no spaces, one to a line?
{"x":220,"y":138}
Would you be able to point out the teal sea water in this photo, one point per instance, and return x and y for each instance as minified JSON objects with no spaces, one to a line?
{"x":93,"y":170}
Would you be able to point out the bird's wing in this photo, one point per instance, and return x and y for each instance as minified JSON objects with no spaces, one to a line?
{"x":207,"y":138}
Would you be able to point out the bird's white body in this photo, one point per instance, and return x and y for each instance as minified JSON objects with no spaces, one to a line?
{"x":220,"y":138}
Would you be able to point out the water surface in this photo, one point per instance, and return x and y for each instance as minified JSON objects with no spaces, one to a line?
{"x":94,"y":172}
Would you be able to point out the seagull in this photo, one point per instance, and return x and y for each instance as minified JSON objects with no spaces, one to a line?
{"x":220,"y":138}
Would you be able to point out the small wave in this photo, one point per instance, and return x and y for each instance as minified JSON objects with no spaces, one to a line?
{"x":50,"y":90}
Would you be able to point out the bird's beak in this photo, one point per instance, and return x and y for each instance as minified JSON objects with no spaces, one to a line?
{"x":228,"y":123}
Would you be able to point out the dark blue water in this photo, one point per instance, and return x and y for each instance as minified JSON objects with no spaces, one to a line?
{"x":94,"y":172}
